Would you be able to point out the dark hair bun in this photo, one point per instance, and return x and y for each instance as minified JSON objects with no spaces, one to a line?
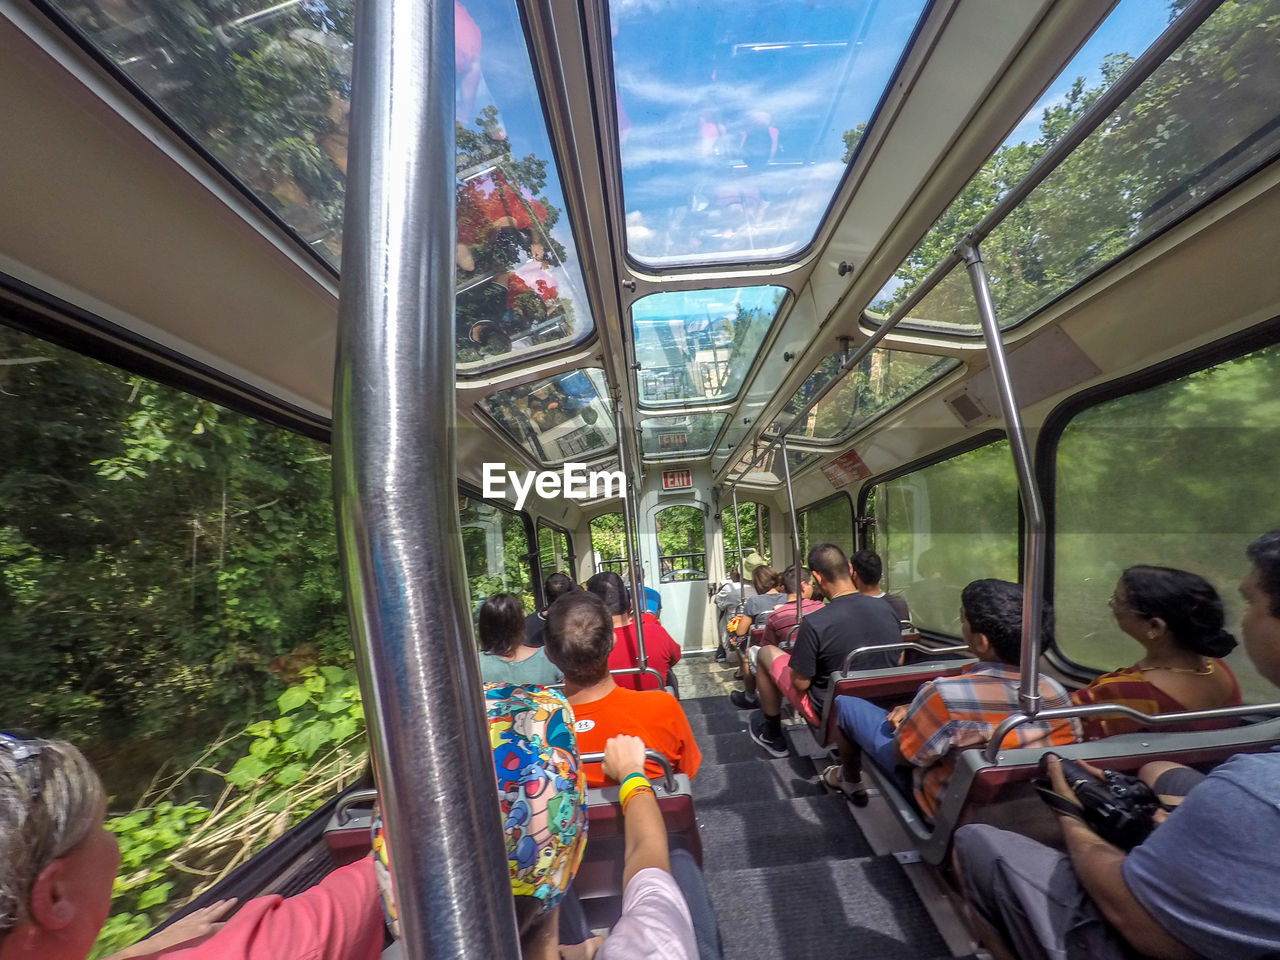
{"x":1217,"y":645}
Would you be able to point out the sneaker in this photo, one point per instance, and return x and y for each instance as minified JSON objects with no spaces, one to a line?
{"x":774,"y":746}
{"x":743,"y":700}
{"x":721,"y":656}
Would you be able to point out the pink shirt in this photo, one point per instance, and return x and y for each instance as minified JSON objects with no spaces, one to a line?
{"x":338,"y":919}
{"x":655,"y":921}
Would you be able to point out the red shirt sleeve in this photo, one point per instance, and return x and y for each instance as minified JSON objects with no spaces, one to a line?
{"x":338,"y":919}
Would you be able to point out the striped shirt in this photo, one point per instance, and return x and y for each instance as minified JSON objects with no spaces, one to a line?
{"x":950,"y":713}
{"x":781,"y":625}
{"x":1131,"y":688}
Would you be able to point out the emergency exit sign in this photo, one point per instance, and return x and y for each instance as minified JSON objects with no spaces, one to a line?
{"x":677,"y":479}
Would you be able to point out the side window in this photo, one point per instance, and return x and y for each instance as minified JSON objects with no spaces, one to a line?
{"x":609,"y":544}
{"x":940,"y":527}
{"x":555,"y":551}
{"x":1179,"y":475}
{"x":829,"y":522}
{"x":682,"y":549}
{"x":495,"y":546}
{"x":753,"y":523}
{"x":170,"y":602}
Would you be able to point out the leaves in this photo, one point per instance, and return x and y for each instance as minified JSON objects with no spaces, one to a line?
{"x":292,"y":698}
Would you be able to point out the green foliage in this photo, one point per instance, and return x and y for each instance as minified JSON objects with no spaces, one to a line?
{"x":495,"y":547}
{"x":286,"y":766}
{"x":755,"y":532}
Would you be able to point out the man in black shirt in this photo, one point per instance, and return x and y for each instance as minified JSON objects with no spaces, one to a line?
{"x":850,"y":620}
{"x":867,"y":569}
{"x":556,"y":586}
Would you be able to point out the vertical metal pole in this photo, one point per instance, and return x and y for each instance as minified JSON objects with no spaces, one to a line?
{"x":1033,"y":554}
{"x":737,"y":539}
{"x":795,"y":529}
{"x":629,"y":492}
{"x":395,"y":487}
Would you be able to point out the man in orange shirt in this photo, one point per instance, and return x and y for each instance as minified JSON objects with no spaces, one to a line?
{"x":579,"y":636}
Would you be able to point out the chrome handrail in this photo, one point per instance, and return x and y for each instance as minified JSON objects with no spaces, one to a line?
{"x":903,"y":645}
{"x":668,"y":774}
{"x":991,"y":751}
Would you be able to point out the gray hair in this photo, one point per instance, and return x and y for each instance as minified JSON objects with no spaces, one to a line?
{"x":50,"y":798}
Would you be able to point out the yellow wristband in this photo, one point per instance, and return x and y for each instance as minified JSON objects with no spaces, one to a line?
{"x":633,"y":793}
{"x":629,"y":786}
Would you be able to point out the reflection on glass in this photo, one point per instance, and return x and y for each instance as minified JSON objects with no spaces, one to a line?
{"x":830,"y":522}
{"x":692,"y":433}
{"x":1131,"y":26}
{"x":1202,"y":122}
{"x":1140,"y":479}
{"x":495,"y":549}
{"x":265,"y":88}
{"x":699,"y":344}
{"x":883,"y":378}
{"x":737,"y":126}
{"x":768,"y":471}
{"x":565,"y":417}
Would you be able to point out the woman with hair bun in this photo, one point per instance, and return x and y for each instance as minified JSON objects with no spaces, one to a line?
{"x":1177,"y":617}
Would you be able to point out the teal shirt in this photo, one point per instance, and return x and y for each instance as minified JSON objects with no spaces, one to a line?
{"x":534,"y":671}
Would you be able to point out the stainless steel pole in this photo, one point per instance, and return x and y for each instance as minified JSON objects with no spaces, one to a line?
{"x":396,"y":491}
{"x":1033,"y":509}
{"x":737,"y":539}
{"x":795,"y":529}
{"x":629,"y":492}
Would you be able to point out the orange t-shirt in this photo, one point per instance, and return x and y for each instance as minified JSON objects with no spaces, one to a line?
{"x":652,"y":715}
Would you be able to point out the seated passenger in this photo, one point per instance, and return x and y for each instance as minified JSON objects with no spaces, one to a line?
{"x":731,"y":596}
{"x":665,"y":908}
{"x":867,"y":569}
{"x":58,"y":861}
{"x":780,"y":627}
{"x":660,"y":650}
{"x":579,"y":638}
{"x":951,"y":713}
{"x":504,"y":656}
{"x":848,"y":621}
{"x":768,"y":594}
{"x":1177,"y":617}
{"x":1201,"y":885}
{"x":555,"y":587}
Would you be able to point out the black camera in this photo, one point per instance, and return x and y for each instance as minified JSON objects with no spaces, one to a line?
{"x":1120,"y":808}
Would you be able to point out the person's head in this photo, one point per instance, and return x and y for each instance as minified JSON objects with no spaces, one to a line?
{"x":735,"y":575}
{"x":1151,"y":601}
{"x":991,"y":620}
{"x":764,"y":578}
{"x":579,"y":636}
{"x":57,"y":860}
{"x":557,"y":585}
{"x":501,"y":626}
{"x":793,"y":583}
{"x":1261,"y":591}
{"x":830,"y":567}
{"x":867,"y":568}
{"x":608,"y":586}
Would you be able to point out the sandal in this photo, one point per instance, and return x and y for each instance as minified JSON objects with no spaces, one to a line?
{"x":855,"y":793}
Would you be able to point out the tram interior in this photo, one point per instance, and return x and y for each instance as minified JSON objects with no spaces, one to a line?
{"x":710,"y":263}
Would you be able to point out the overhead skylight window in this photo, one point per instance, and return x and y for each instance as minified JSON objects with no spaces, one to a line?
{"x":768,"y":471}
{"x":881,"y":380}
{"x":736,"y":120}
{"x":266,"y":91}
{"x":565,"y":417}
{"x":696,"y":346}
{"x":688,"y":435}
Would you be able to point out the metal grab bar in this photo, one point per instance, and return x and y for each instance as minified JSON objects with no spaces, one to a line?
{"x":904,"y":645}
{"x":991,"y":751}
{"x":353,"y":799}
{"x":621,"y":671}
{"x":668,"y":774}
{"x":628,"y":529}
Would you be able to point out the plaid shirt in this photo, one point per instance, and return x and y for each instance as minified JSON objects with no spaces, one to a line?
{"x":963,"y":711}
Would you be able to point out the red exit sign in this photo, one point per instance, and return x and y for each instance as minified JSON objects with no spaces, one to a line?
{"x":677,"y":479}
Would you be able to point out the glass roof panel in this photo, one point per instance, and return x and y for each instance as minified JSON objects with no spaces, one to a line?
{"x":264,"y":87}
{"x":1131,"y":26}
{"x":685,"y":435}
{"x":768,"y":472}
{"x":883,"y":379}
{"x":697,"y":345}
{"x":565,"y":417}
{"x":737,"y":120}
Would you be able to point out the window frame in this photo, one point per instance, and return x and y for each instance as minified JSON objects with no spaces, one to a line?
{"x":530,"y":556}
{"x":539,"y":588}
{"x":845,"y":495}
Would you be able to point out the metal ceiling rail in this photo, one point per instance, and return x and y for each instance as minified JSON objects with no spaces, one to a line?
{"x":395,"y":487}
{"x":1174,"y":36}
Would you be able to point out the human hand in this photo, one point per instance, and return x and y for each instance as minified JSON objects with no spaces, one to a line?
{"x":897,"y":715}
{"x":1058,"y":780}
{"x":623,"y":755}
{"x":581,"y":951}
{"x":197,"y":925}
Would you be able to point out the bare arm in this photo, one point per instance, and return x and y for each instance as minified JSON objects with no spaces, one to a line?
{"x":1097,"y":865}
{"x":645,"y":833}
